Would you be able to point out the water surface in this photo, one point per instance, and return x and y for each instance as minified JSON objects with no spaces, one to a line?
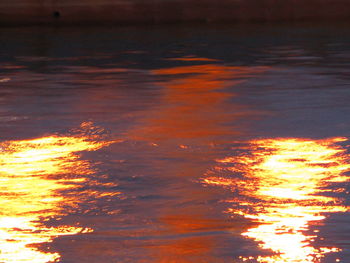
{"x":175,"y":144}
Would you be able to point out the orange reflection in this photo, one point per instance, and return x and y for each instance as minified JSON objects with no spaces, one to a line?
{"x":193,"y":110}
{"x":193,"y":105}
{"x":282,"y":191}
{"x":186,"y":247}
{"x":32,"y":174}
{"x":193,"y":58}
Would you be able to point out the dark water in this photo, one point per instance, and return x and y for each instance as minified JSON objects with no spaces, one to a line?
{"x":175,"y":144}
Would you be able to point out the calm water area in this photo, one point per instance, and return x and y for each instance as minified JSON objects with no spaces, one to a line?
{"x":175,"y":144}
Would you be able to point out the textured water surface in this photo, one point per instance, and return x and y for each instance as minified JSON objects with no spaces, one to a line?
{"x":175,"y":144}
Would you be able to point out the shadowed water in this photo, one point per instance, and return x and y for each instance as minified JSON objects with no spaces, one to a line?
{"x":172,"y":144}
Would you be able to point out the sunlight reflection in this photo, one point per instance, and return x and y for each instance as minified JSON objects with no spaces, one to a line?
{"x":284,"y":190}
{"x":192,"y":113}
{"x":194,"y":104}
{"x":32,"y":174}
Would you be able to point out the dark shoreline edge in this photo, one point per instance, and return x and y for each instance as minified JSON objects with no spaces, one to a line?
{"x":133,"y":12}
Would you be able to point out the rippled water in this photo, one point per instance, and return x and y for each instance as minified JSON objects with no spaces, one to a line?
{"x":175,"y":144}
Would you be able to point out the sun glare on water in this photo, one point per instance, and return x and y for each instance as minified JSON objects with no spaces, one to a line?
{"x":32,"y":174}
{"x":282,"y":185}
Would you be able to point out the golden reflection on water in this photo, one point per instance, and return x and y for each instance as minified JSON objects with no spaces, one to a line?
{"x":32,"y":174}
{"x":283,"y":190}
{"x":193,"y":104}
{"x":193,"y":109}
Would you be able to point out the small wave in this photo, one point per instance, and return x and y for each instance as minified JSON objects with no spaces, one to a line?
{"x":5,"y":80}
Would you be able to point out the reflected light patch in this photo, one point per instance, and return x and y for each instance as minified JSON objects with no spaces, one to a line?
{"x":5,"y":79}
{"x":194,"y":106}
{"x":193,"y":58}
{"x":32,"y":175}
{"x":281,"y":185}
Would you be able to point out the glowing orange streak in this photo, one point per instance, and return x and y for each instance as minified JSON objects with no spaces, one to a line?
{"x":193,"y":102}
{"x":193,"y":106}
